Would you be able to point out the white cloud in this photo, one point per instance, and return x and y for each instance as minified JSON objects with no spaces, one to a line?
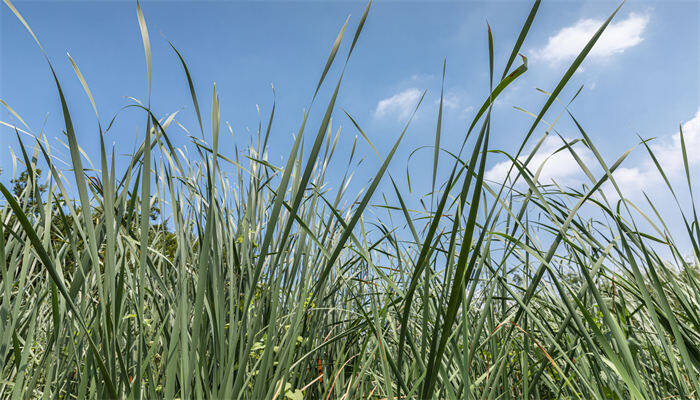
{"x":450,"y":101}
{"x":617,"y":37}
{"x":668,"y":152}
{"x":456,"y":103}
{"x":560,"y":167}
{"x":399,"y":105}
{"x":632,"y":180}
{"x":422,"y":77}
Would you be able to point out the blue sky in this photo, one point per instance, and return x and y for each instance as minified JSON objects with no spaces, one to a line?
{"x":642,"y":78}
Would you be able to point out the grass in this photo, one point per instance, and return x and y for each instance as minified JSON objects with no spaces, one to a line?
{"x":270,"y":282}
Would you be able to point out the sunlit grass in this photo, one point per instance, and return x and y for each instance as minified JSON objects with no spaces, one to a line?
{"x":266,"y":283}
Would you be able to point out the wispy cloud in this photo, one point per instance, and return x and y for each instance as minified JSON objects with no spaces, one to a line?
{"x":450,"y":101}
{"x":456,"y":103}
{"x":562,"y":168}
{"x":617,"y":37}
{"x":399,"y":105}
{"x":668,"y":152}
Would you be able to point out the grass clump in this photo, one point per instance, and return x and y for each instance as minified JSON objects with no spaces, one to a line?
{"x":266,"y":282}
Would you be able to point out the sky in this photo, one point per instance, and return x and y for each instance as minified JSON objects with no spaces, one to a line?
{"x":641,"y":80}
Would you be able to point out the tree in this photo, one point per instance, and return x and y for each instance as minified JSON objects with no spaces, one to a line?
{"x":33,"y":198}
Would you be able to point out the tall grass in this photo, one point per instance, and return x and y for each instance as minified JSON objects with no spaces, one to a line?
{"x":270,"y":282}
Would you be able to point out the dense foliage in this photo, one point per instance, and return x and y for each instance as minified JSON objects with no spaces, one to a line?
{"x":175,"y":278}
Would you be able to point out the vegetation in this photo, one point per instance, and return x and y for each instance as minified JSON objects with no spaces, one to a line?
{"x":269,"y":282}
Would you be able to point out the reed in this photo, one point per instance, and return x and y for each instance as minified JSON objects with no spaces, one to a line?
{"x":265,"y":281}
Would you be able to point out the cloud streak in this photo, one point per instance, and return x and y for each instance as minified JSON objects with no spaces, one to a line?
{"x":668,"y":152}
{"x":562,"y":168}
{"x":399,"y":105}
{"x":569,"y":41}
